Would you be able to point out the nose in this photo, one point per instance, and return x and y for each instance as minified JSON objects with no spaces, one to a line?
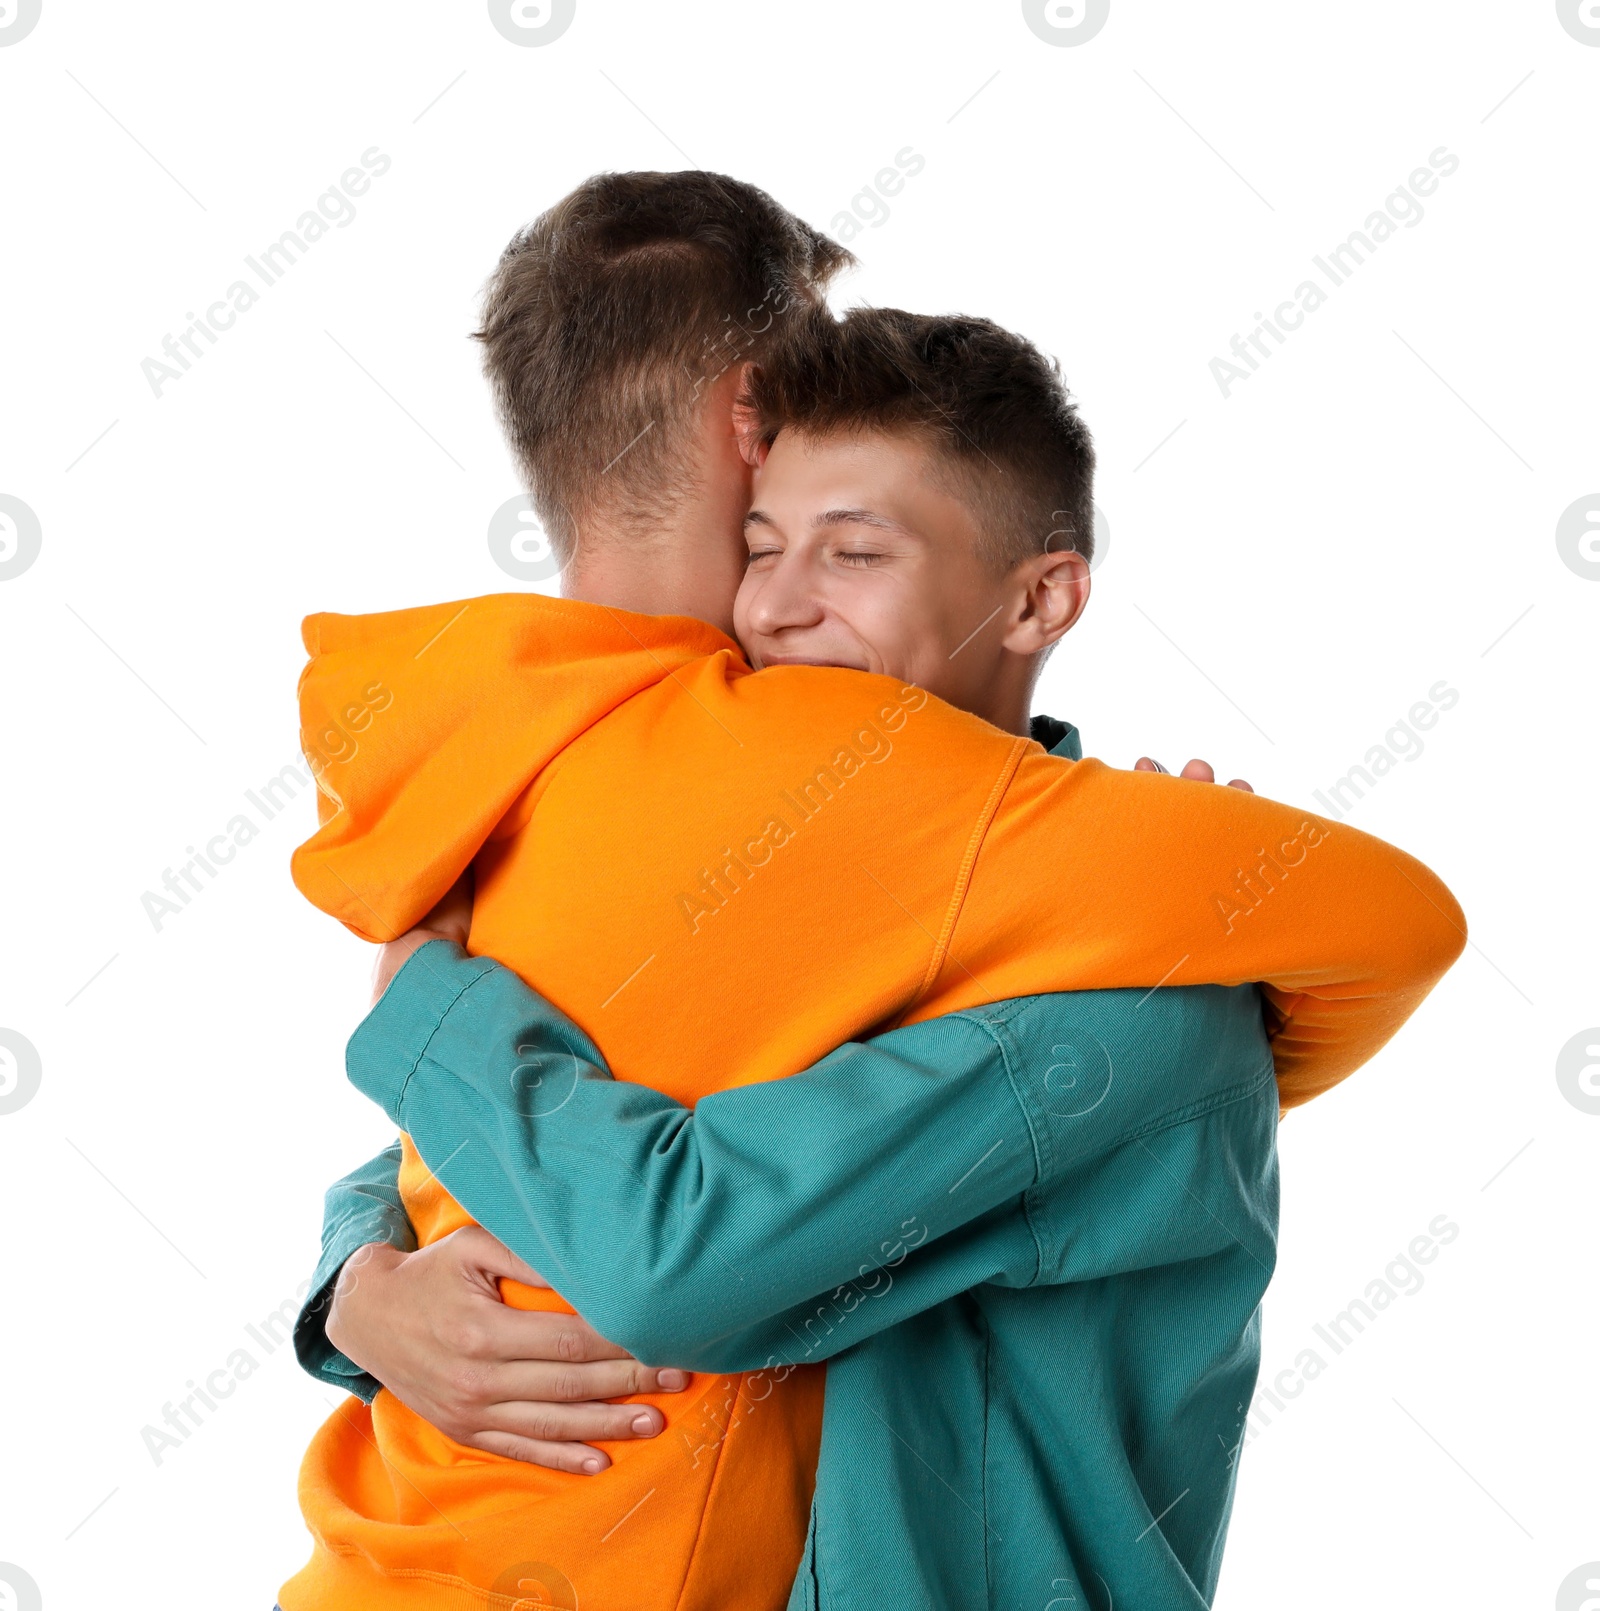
{"x":786,"y":598}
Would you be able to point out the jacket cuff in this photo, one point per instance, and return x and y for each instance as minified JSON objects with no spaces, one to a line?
{"x":319,"y":1358}
{"x":391,"y":1040}
{"x":316,"y":1353}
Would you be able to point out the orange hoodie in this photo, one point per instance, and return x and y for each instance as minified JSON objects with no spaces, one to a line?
{"x":721,"y":876}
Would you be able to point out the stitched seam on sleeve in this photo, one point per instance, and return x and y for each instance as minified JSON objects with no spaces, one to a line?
{"x":449,"y":1007}
{"x":995,"y":1018}
{"x":998,"y":1013}
{"x":1198,"y":1109}
{"x":1207,"y":1108}
{"x":1033,"y":1137}
{"x":958,"y":896}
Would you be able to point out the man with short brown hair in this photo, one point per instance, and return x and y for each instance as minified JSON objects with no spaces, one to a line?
{"x":607,"y":323}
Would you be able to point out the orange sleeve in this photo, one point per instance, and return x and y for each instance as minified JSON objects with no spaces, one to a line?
{"x":1111,"y":879}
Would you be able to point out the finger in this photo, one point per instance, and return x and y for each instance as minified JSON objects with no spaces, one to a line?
{"x":542,"y":1337}
{"x":1145,"y":764}
{"x":574,"y":1423}
{"x":1239,"y":783}
{"x":1199,"y":771}
{"x":477,"y":1245}
{"x":577,"y":1458}
{"x":543,"y":1380}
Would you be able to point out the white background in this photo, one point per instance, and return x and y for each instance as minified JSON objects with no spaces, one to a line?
{"x":1372,"y":512}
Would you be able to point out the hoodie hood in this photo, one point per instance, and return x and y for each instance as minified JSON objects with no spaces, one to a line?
{"x":423,"y":727}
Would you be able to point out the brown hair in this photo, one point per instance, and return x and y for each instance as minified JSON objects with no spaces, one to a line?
{"x":992,"y":407}
{"x":610,"y":313}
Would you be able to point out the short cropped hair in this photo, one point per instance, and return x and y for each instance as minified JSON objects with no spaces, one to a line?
{"x":991,"y":407}
{"x":610,"y":314}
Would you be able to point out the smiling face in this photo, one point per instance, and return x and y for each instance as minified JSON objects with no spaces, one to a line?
{"x":861,"y":556}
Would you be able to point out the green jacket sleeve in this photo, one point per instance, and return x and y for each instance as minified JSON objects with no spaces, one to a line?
{"x":706,"y":1237}
{"x":792,"y":1218}
{"x":363,"y":1207}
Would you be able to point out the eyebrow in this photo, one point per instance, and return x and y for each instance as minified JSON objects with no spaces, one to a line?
{"x":838,"y":517}
{"x":861,"y":517}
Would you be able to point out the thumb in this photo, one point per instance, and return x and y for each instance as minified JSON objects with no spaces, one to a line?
{"x":487,"y":1253}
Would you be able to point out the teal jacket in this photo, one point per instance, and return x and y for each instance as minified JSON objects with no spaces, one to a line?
{"x":1031,"y":1240}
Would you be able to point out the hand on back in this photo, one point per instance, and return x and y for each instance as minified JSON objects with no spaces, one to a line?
{"x":531,"y":1385}
{"x":432,"y":1327}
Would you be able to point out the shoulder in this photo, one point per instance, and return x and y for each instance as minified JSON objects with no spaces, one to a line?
{"x":805,"y":700}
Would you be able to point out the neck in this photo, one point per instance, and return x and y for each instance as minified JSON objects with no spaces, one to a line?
{"x":690,"y":557}
{"x":685,"y":566}
{"x":1008,"y":700}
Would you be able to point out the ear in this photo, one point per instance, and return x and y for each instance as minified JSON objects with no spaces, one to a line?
{"x":1054,"y":593}
{"x":746,"y":427}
